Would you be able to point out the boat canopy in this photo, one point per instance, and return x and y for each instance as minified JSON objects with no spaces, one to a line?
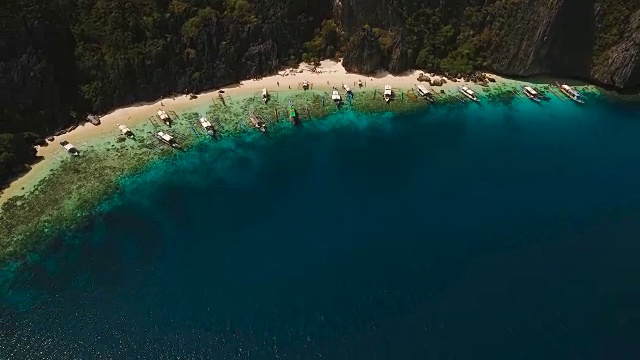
{"x":571,"y":90}
{"x":205,"y":123}
{"x":124,"y":129}
{"x":346,"y":88}
{"x":387,"y":89}
{"x":467,"y":90}
{"x":422,"y":90}
{"x":165,"y":137}
{"x":69,"y":147}
{"x":264,"y":92}
{"x":305,"y":83}
{"x":163,"y":115}
{"x":335,"y":95}
{"x":530,"y":90}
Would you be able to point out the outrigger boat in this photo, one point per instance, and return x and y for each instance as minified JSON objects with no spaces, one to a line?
{"x":572,"y":93}
{"x":469,"y":93}
{"x":335,"y":96}
{"x":69,"y":148}
{"x":305,"y":85}
{"x":125,"y":131}
{"x":265,"y":96}
{"x":257,"y":123}
{"x":347,"y":89}
{"x":207,"y":126}
{"x":388,"y":93}
{"x":163,"y":116}
{"x":167,"y":139}
{"x":425,"y":93}
{"x":531,"y":93}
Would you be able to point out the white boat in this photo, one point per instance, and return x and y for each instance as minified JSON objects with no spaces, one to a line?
{"x":167,"y":139}
{"x":164,"y":117}
{"x":388,"y":93}
{"x":335,"y":96}
{"x":305,"y":85}
{"x":257,"y":123}
{"x":69,"y":148}
{"x":424,"y":92}
{"x":346,"y":88}
{"x":469,"y":93}
{"x":572,"y":93}
{"x":265,"y":96}
{"x":207,"y":126}
{"x":125,"y":130}
{"x":531,"y":93}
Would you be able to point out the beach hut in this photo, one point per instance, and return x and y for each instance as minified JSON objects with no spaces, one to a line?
{"x":388,"y":93}
{"x":125,"y":130}
{"x":336,"y":97}
{"x":70,"y":148}
{"x":164,"y":117}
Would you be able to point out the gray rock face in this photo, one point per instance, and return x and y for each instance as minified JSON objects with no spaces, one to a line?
{"x":569,"y":38}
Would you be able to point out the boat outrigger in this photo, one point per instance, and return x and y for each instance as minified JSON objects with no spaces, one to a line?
{"x":425,"y":93}
{"x":305,"y":85}
{"x":469,"y":93}
{"x":125,"y":131}
{"x":335,"y":96}
{"x":70,"y":148}
{"x":531,"y":93}
{"x":257,"y":123}
{"x":164,"y":117}
{"x":265,"y":96}
{"x":167,"y":139}
{"x":388,"y":93}
{"x":207,"y":126}
{"x":572,"y":93}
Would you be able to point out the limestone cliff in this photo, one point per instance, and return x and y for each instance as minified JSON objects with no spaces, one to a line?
{"x":598,"y":40}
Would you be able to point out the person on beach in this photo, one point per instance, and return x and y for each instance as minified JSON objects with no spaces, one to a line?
{"x":278,"y":82}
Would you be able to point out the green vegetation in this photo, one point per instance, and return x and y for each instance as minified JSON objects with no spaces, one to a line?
{"x":61,"y":60}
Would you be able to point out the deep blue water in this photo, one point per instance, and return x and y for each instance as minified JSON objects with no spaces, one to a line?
{"x":491,"y":232}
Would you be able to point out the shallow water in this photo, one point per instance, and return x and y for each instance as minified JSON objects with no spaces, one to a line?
{"x":493,"y":231}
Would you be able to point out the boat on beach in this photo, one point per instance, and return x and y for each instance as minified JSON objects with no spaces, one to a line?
{"x":164,"y":117}
{"x":167,"y":139}
{"x":425,"y":93}
{"x":207,"y":126}
{"x":531,"y":93}
{"x":570,"y":92}
{"x":388,"y":93}
{"x":257,"y":123}
{"x":469,"y":93}
{"x":70,"y":148}
{"x":125,"y":131}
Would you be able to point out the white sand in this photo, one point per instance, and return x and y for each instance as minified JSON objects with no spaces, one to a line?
{"x":328,"y":75}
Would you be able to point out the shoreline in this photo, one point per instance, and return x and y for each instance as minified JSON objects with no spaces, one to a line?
{"x":326,"y":76}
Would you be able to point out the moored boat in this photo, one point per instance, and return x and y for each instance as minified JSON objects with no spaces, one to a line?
{"x":125,"y":131}
{"x":305,"y":85}
{"x":207,"y":126}
{"x":293,"y":115}
{"x":257,"y":123}
{"x":164,"y":117}
{"x":167,"y":139}
{"x":388,"y":93}
{"x":335,"y":96}
{"x":425,"y":93}
{"x":347,"y":89}
{"x":531,"y":93}
{"x":469,"y":93}
{"x":570,"y":92}
{"x":265,"y":95}
{"x":70,"y":148}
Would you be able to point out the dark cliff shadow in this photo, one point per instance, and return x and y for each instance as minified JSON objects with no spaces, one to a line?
{"x":572,"y":36}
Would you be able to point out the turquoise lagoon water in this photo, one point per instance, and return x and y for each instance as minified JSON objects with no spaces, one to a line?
{"x":500,"y":231}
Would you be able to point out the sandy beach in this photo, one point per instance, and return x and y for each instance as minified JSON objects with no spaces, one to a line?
{"x":328,"y":75}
